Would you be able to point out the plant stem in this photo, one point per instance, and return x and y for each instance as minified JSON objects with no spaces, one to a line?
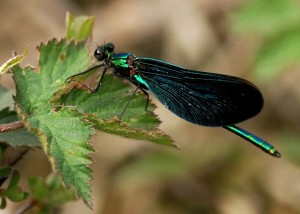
{"x":19,"y":157}
{"x":11,"y":126}
{"x":26,"y":207}
{"x":13,"y":162}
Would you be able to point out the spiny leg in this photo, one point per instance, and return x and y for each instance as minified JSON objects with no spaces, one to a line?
{"x":121,"y":115}
{"x":84,"y":85}
{"x":100,"y":81}
{"x":147,"y":95}
{"x":133,"y":81}
{"x":86,"y":71}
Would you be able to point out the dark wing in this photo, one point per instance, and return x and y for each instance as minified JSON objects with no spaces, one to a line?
{"x":202,"y":98}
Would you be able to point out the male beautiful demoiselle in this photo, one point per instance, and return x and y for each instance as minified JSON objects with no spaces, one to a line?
{"x":202,"y":98}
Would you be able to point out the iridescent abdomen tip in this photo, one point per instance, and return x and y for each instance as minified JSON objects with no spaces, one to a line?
{"x":276,"y":154}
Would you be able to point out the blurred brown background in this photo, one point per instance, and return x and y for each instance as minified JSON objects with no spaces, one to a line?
{"x":215,"y":171}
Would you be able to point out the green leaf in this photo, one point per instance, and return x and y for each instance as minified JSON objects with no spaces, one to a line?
{"x":266,"y":18}
{"x":38,"y":187}
{"x":12,"y":62}
{"x":3,"y":203}
{"x":58,"y":194}
{"x":19,"y":137}
{"x":111,"y":100}
{"x":58,"y":61}
{"x":15,"y":194}
{"x":50,"y":193}
{"x":68,"y":134}
{"x":64,"y":132}
{"x":104,"y":106}
{"x":6,"y":98}
{"x":79,"y":28}
{"x":277,"y":55}
{"x":7,"y":116}
{"x":5,"y":172}
{"x":14,"y":181}
{"x":13,"y":191}
{"x":3,"y":149}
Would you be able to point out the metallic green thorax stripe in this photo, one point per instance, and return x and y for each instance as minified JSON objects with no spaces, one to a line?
{"x":120,"y":60}
{"x":266,"y":147}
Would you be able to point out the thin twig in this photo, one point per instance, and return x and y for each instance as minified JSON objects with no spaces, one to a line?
{"x":26,"y":207}
{"x":18,"y":158}
{"x":13,"y":162}
{"x":11,"y":126}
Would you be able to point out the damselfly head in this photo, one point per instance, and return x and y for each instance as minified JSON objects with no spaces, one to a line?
{"x":104,"y":52}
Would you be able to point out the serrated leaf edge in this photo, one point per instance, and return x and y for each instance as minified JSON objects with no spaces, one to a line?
{"x":115,"y":121}
{"x":45,"y":143}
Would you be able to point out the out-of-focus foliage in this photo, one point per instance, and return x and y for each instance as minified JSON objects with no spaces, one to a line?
{"x":278,"y":25}
{"x":79,"y":28}
{"x":49,"y":194}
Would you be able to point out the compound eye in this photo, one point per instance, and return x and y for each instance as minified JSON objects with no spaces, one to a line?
{"x":98,"y":54}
